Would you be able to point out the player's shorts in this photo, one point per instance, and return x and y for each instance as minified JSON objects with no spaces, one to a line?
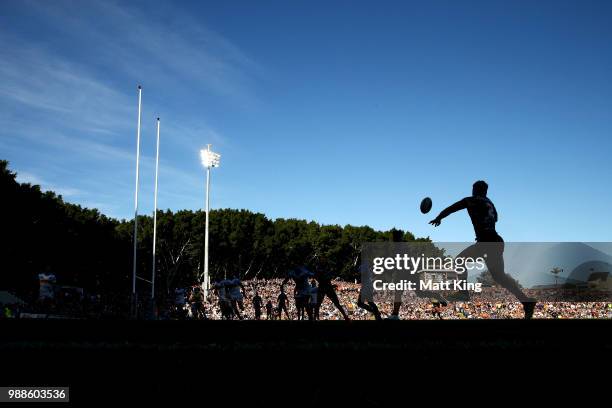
{"x":302,"y":300}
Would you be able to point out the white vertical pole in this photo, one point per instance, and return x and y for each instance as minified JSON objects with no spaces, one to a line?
{"x":206,"y":230}
{"x":136,"y":194}
{"x":155,"y":214}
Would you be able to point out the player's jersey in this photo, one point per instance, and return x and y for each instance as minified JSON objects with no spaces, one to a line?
{"x":257,"y":302}
{"x":179,"y":297}
{"x":324,"y":277}
{"x":221,"y":290}
{"x":300,"y":276}
{"x":234,"y":289}
{"x":196,"y":297}
{"x":483,"y":215}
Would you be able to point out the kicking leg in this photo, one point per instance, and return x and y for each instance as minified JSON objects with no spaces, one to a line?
{"x":331,"y":293}
{"x":495,"y":264}
{"x":320,"y":298}
{"x":236,"y":309}
{"x":286,"y":312}
{"x":473,"y":251}
{"x":370,"y":306}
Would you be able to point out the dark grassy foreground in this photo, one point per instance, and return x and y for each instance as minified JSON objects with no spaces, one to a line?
{"x":299,"y":363}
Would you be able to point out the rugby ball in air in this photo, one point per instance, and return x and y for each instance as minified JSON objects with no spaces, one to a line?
{"x":426,"y":205}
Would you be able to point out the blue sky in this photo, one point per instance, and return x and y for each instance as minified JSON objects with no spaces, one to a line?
{"x":339,"y":112}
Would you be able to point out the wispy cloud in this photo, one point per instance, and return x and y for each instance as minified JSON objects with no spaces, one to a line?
{"x":25,"y":177}
{"x":169,"y":47}
{"x":68,"y":96}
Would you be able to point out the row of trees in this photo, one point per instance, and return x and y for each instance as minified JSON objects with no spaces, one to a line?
{"x":85,"y":248}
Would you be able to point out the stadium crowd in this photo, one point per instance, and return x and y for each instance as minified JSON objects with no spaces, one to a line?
{"x":491,"y":303}
{"x":261,"y":299}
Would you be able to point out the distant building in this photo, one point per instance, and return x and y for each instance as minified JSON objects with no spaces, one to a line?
{"x":600,"y":281}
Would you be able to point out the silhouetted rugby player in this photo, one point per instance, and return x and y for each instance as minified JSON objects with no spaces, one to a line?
{"x":282,"y":304}
{"x":301,"y":276}
{"x":327,"y":288}
{"x":269,"y":311}
{"x":257,"y":304}
{"x":484,"y":216}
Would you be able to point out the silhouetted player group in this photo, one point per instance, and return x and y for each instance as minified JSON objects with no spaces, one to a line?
{"x":309,"y":295}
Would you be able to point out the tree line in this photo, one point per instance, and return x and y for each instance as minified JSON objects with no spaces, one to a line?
{"x":84,"y":248}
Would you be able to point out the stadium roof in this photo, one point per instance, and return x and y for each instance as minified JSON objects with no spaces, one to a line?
{"x":595,"y":276}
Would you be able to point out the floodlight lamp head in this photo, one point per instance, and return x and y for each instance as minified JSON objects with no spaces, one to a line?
{"x":209,"y":158}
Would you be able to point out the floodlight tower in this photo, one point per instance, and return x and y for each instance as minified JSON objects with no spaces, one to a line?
{"x":155,"y":213}
{"x":209,"y":160}
{"x":136,"y":200}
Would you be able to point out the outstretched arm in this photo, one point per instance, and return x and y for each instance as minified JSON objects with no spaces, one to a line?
{"x":459,"y":205}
